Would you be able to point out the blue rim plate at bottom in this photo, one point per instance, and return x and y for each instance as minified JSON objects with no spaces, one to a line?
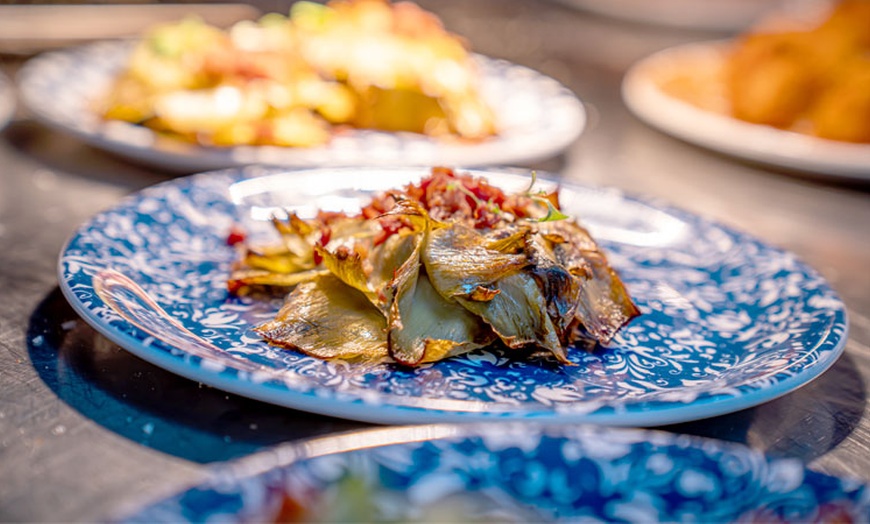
{"x":514,"y":473}
{"x":728,"y":321}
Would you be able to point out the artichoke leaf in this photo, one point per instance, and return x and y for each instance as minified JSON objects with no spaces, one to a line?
{"x":277,"y":259}
{"x":245,"y":277}
{"x":370,"y":268}
{"x":432,"y":328}
{"x":352,"y":232}
{"x":567,"y":232}
{"x":325,"y":318}
{"x":517,"y":314}
{"x":414,"y":214}
{"x":422,"y":325}
{"x":508,"y":240}
{"x":560,"y":288}
{"x":401,"y":291}
{"x":388,"y":257}
{"x":372,"y":275}
{"x":459,"y":263}
{"x":347,"y":266}
{"x":604,"y":305}
{"x":295,"y":234}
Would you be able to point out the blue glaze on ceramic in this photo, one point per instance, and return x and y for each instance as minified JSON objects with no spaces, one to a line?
{"x":728,"y":322}
{"x":523,"y":473}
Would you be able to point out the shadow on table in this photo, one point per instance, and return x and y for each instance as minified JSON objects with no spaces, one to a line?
{"x":62,"y":152}
{"x":151,"y":406}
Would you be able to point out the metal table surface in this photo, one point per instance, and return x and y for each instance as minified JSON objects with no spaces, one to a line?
{"x":86,"y":428}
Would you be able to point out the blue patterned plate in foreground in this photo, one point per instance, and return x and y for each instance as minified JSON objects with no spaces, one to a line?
{"x":537,"y":118}
{"x":514,"y":473}
{"x":728,"y":322}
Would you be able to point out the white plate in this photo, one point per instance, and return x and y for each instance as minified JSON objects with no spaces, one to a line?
{"x":537,"y":117}
{"x":727,"y":321}
{"x":720,"y":15}
{"x":719,"y":132}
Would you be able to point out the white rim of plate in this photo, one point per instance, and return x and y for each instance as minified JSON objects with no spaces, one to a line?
{"x":728,"y":135}
{"x":566,"y":119}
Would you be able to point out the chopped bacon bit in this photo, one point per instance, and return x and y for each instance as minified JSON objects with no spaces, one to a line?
{"x":325,"y":236}
{"x":234,"y":286}
{"x":329,"y":217}
{"x":390,"y":225}
{"x":236,"y":236}
{"x":378,"y":206}
{"x":447,"y":195}
{"x":291,"y":510}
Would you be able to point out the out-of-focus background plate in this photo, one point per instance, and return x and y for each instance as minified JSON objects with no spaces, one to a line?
{"x":732,"y":15}
{"x":7,"y":100}
{"x":719,"y":132}
{"x":537,"y":117}
{"x":728,"y":322}
{"x":515,"y":473}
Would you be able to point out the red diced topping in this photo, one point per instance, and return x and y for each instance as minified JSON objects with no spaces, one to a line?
{"x":236,"y":236}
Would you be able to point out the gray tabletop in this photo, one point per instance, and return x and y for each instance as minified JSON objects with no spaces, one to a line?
{"x":87,"y":429}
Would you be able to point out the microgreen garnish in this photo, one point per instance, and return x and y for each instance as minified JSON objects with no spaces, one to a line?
{"x":540,"y":196}
{"x":489,"y":204}
{"x":553,"y":214}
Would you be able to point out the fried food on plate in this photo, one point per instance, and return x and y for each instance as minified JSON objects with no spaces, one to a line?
{"x":298,"y":80}
{"x":809,"y":75}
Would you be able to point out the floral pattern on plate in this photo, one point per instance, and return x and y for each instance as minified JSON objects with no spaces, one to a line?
{"x":517,"y":473}
{"x":727,"y":322}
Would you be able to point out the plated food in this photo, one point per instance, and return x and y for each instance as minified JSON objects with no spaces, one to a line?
{"x":363,"y":82}
{"x":514,"y":473}
{"x":439,"y":268}
{"x":792,"y":91}
{"x":728,"y":322}
{"x":296,"y":81}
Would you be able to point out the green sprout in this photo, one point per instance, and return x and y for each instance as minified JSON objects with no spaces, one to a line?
{"x":489,"y":204}
{"x":539,"y":196}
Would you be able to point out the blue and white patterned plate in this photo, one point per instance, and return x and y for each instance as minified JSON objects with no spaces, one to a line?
{"x":728,"y":322}
{"x":537,"y":117}
{"x":515,"y":473}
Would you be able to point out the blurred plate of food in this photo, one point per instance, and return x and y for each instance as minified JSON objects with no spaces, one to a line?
{"x":362,"y":82}
{"x":726,"y":321}
{"x":733,"y":15}
{"x":794,"y":92}
{"x":512,"y":473}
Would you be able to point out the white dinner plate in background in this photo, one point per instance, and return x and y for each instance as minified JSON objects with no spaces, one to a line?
{"x":537,"y":119}
{"x":645,"y":97}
